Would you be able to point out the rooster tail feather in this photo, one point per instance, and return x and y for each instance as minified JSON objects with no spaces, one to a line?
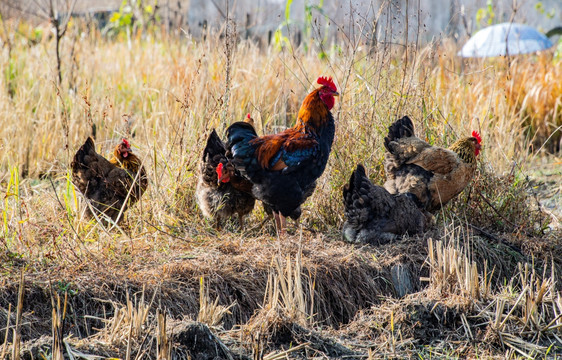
{"x":401,"y":128}
{"x":239,"y":144}
{"x":240,"y":132}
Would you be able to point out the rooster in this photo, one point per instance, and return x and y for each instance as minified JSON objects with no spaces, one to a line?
{"x":221,"y":191}
{"x":375,"y":216}
{"x":110,"y":185}
{"x":283,"y":167}
{"x":432,"y":174}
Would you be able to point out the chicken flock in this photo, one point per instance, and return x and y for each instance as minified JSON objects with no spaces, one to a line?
{"x":281,"y":171}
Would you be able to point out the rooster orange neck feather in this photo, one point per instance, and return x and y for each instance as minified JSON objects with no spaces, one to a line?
{"x":313,"y":112}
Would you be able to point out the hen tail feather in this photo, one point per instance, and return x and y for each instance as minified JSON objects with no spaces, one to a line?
{"x":401,"y":128}
{"x":87,"y":150}
{"x":214,"y":147}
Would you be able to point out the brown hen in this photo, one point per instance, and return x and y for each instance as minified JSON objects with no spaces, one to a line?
{"x":113,"y":185}
{"x":434,"y":175}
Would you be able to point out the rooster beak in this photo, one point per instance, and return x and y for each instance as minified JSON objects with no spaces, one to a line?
{"x":335,"y":93}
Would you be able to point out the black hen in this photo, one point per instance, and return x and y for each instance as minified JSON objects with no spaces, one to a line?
{"x":221,"y":192}
{"x":375,"y":216}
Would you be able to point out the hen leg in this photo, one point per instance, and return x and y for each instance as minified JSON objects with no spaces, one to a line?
{"x":241,"y":220}
{"x":429,"y":218}
{"x":218,"y":223}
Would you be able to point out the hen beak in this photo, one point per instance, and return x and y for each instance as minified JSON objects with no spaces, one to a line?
{"x":335,"y":93}
{"x":223,"y":179}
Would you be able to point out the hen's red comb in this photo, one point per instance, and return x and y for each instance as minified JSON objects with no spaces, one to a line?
{"x":327,"y":81}
{"x":219,"y":170}
{"x":248,"y":116}
{"x":126,"y":143}
{"x":477,"y":136}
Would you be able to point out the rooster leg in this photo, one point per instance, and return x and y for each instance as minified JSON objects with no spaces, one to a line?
{"x":279,"y":223}
{"x":298,"y":222}
{"x":283,"y":223}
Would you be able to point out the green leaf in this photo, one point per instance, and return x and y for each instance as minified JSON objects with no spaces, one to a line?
{"x":539,"y":7}
{"x":115,"y":17}
{"x":126,"y":20}
{"x":480,"y":14}
{"x":288,"y":10}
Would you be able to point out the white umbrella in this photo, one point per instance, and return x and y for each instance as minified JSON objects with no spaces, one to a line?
{"x":505,"y":39}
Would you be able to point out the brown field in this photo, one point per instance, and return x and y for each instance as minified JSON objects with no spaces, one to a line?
{"x":484,"y":283}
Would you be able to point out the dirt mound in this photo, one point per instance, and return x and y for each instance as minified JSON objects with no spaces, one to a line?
{"x":332,"y":298}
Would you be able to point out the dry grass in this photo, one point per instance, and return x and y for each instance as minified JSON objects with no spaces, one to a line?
{"x":210,"y":312}
{"x":453,"y":273}
{"x":165,"y":93}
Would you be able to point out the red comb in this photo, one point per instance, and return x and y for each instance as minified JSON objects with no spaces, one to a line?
{"x":126,"y":143}
{"x":327,"y":81}
{"x":248,"y":116}
{"x":477,"y":136}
